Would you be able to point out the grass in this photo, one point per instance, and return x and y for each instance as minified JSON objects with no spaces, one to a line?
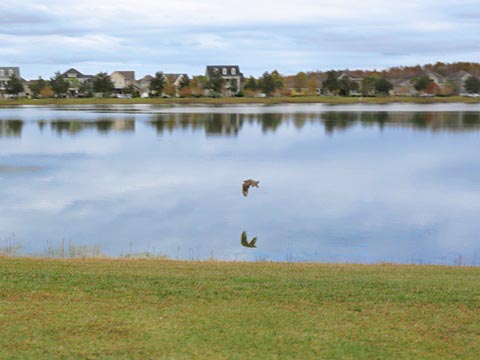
{"x":150,"y":309}
{"x":244,"y":100}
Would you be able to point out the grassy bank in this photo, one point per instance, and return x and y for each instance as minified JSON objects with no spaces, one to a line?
{"x":156,"y":309}
{"x":224,"y":101}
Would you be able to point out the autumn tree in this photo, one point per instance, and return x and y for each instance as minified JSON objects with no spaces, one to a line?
{"x":300,"y":81}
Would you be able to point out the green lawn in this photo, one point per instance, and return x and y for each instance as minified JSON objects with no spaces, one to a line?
{"x":150,"y":309}
{"x":245,"y":100}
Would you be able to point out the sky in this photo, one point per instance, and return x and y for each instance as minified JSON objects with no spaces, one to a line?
{"x":183,"y":36}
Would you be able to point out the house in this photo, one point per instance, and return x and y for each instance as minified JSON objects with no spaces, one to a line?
{"x":5,"y":74}
{"x":143,"y":86}
{"x":76,"y":79}
{"x":403,"y":87}
{"x":230,"y":73}
{"x":122,"y":81}
{"x":175,"y":79}
{"x":352,"y":78}
{"x":438,"y":79}
{"x":458,"y":79}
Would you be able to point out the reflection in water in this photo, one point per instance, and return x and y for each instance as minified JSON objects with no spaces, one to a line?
{"x":219,"y":124}
{"x":370,"y":193}
{"x":11,"y":128}
{"x":246,"y":243}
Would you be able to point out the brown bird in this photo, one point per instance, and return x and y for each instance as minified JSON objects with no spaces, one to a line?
{"x":247,"y":184}
{"x":245,"y":242}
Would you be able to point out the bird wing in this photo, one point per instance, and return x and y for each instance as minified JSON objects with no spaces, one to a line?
{"x":245,"y":187}
{"x":244,"y":239}
{"x":252,"y":243}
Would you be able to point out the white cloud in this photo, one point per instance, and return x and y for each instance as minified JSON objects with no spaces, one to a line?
{"x":42,"y":35}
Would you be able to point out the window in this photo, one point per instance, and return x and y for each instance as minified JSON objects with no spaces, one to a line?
{"x":10,"y":72}
{"x":224,"y":71}
{"x":215,"y":70}
{"x":233,"y":71}
{"x":2,"y":72}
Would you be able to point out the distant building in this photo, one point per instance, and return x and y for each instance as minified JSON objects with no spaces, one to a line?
{"x":352,"y":78}
{"x":458,"y":80}
{"x":76,"y":79}
{"x":143,"y":86}
{"x":5,"y":74}
{"x":230,"y":73}
{"x":122,"y":80}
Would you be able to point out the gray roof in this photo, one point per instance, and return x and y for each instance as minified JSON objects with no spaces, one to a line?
{"x":78,"y":73}
{"x":458,"y":75}
{"x":224,"y":70}
{"x":129,"y":75}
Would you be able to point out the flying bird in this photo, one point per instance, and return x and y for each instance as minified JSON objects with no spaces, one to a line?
{"x":245,"y":242}
{"x":246,"y":185}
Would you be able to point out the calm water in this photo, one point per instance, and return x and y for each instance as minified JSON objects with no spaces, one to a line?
{"x":395,"y":183}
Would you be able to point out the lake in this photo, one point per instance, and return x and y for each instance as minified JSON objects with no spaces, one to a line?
{"x":338,"y":183}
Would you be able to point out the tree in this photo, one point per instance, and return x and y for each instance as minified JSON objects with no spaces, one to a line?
{"x":58,"y":84}
{"x":300,"y":81}
{"x":170,"y":89}
{"x":157,"y":84}
{"x":251,"y":84}
{"x":331,"y":83}
{"x":383,"y":86}
{"x":472,"y":85}
{"x":267,"y":84}
{"x":37,"y":87}
{"x":368,"y":85}
{"x":433,"y":89}
{"x":216,"y":82}
{"x":102,"y":83}
{"x":184,"y":82}
{"x":14,"y":85}
{"x":346,"y":86}
{"x":422,"y":83}
{"x":85,"y":89}
{"x":278,"y":80}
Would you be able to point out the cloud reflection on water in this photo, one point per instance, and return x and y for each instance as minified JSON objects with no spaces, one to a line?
{"x":372,"y":193}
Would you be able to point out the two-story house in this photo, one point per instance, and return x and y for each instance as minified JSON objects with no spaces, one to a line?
{"x":76,"y":79}
{"x":122,"y":80}
{"x":230,"y":73}
{"x":5,"y":74}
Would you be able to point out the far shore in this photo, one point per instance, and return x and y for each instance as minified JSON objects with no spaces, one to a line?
{"x":242,"y":100}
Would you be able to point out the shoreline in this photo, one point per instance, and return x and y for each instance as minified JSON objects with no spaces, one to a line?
{"x":332,"y":100}
{"x":162,"y":259}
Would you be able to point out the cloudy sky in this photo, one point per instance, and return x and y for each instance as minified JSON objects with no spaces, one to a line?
{"x":42,"y":36}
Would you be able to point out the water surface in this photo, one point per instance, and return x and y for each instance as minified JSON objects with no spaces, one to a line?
{"x":350,"y":183}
